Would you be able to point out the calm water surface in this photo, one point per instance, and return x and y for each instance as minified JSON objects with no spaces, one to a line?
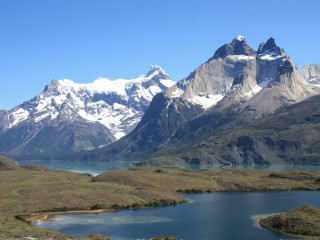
{"x":97,"y":167}
{"x":227,"y":216}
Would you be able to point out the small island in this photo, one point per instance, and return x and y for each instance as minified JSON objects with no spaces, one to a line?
{"x":302,"y":221}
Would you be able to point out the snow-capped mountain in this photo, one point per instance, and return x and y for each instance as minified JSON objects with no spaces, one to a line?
{"x":234,"y":86}
{"x":69,"y":116}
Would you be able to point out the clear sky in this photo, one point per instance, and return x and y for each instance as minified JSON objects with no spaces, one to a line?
{"x":82,"y":40}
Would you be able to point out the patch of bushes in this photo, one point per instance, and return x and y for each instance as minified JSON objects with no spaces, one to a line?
{"x":21,"y":218}
{"x":162,"y":202}
{"x":117,"y":207}
{"x":98,"y":206}
{"x":191,"y":191}
{"x":276,"y":175}
{"x":166,"y":237}
{"x":159,"y":171}
{"x":61,"y":209}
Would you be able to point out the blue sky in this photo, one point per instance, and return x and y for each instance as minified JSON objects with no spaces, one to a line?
{"x":82,"y":40}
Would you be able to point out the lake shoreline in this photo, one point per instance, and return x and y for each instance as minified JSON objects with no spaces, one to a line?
{"x":31,"y":218}
{"x":256,"y":221}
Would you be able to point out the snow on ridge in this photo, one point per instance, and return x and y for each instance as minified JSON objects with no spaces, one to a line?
{"x":252,"y":92}
{"x":101,"y":85}
{"x":315,"y":82}
{"x":240,"y":57}
{"x":119,"y":135}
{"x":257,"y":88}
{"x":153,"y":70}
{"x":19,"y":116}
{"x":117,"y":86}
{"x":177,"y":93}
{"x":206,"y":100}
{"x":264,"y":83}
{"x":240,"y":38}
{"x":168,"y":83}
{"x":269,"y":57}
{"x":39,"y":118}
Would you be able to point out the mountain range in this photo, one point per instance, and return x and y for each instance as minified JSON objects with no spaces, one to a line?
{"x":70,"y":117}
{"x":242,"y":106}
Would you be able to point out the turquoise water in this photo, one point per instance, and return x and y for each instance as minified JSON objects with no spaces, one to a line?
{"x":97,"y":167}
{"x":226,"y":216}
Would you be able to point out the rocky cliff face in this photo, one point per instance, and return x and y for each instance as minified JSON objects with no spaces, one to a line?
{"x":311,"y":74}
{"x":235,"y":86}
{"x":71,"y":117}
{"x":236,"y":73}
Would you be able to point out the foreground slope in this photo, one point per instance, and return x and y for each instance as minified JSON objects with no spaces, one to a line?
{"x":71,"y":117}
{"x":236,"y":86}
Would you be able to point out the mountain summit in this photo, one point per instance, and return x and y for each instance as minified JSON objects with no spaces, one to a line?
{"x":238,"y":46}
{"x":71,"y":117}
{"x":156,"y":70}
{"x":270,"y":50}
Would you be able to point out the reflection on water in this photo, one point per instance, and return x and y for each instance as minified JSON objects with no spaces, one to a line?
{"x":226,"y":216}
{"x":93,"y":167}
{"x":98,"y":218}
{"x":256,"y":219}
{"x":97,"y":167}
{"x":259,"y":216}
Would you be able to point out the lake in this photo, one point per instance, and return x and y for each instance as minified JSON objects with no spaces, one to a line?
{"x":97,"y":167}
{"x":223,"y":216}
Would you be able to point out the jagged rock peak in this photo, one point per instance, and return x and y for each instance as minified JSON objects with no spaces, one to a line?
{"x":155,"y":69}
{"x":269,"y":45}
{"x":270,"y":50}
{"x":54,"y":83}
{"x":285,"y":67}
{"x":238,"y":46}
